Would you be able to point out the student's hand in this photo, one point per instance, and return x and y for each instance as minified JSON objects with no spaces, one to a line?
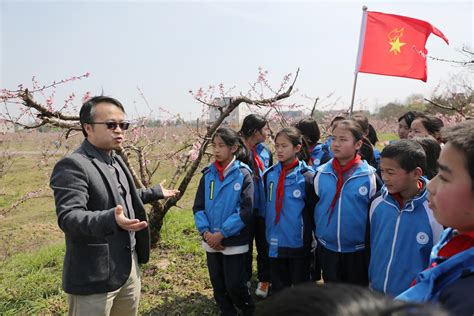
{"x":168,"y":193}
{"x":126,"y":223}
{"x":214,"y":240}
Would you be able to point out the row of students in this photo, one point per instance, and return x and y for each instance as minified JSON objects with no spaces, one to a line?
{"x":342,"y":191}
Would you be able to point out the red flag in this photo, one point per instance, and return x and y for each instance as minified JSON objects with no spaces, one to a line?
{"x":394,"y":45}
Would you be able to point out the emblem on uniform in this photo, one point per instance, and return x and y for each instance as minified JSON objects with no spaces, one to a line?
{"x":363,"y":190}
{"x":422,"y":238}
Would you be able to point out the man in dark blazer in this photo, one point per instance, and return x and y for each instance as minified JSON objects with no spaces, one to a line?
{"x":102,"y":215}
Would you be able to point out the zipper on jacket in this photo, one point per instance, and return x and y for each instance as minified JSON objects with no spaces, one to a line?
{"x":339,"y":248}
{"x":395,"y":235}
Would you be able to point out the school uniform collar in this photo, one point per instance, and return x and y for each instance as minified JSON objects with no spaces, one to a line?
{"x":361,"y":169}
{"x":228,"y":169}
{"x":458,"y":243}
{"x":411,"y":204}
{"x":278,"y":167}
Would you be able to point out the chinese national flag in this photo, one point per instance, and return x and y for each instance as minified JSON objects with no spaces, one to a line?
{"x":394,"y":45}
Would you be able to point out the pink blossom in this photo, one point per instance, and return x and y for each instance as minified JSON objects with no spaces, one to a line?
{"x":194,"y":152}
{"x":86,"y":96}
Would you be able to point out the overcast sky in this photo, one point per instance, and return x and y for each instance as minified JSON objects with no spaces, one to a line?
{"x":168,"y":48}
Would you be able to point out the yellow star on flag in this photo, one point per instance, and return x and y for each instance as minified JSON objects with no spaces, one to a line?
{"x":396,"y":45}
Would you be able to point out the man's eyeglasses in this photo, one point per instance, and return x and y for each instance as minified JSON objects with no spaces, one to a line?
{"x":113,"y":125}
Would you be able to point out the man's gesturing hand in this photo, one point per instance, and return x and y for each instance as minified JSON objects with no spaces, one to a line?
{"x":126,"y":223}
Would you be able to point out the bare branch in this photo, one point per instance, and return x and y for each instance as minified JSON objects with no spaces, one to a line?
{"x":460,"y":111}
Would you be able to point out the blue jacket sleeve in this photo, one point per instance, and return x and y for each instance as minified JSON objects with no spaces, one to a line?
{"x":200,"y":218}
{"x":241,"y":217}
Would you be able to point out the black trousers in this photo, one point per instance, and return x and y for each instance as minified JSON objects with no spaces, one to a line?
{"x":257,"y":232}
{"x":286,"y":272}
{"x":228,"y":278}
{"x":342,"y":267}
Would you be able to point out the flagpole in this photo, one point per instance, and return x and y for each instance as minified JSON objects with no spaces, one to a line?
{"x":359,"y":55}
{"x":353,"y":93}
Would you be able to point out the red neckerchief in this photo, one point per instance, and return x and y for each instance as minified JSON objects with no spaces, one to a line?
{"x":457,"y":244}
{"x":399,"y":198}
{"x":311,"y":159}
{"x":256,"y":159}
{"x":340,"y":180}
{"x":220,"y":170}
{"x":280,"y":191}
{"x":454,"y":246}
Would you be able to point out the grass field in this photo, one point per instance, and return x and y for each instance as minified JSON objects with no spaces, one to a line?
{"x":174,"y":282}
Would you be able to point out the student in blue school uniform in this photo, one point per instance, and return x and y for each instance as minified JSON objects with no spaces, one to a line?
{"x":401,"y":227}
{"x":314,"y":154}
{"x":290,"y":203}
{"x":367,"y":150}
{"x":222,"y":210}
{"x":449,"y":278}
{"x":254,"y":131}
{"x":344,"y":187}
{"x":327,"y":142}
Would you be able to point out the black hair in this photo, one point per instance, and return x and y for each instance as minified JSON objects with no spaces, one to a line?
{"x":432,"y":124}
{"x":293,"y":134}
{"x":87,"y":112}
{"x":337,"y":299}
{"x":408,"y":153}
{"x":363,"y":122}
{"x":432,"y":150}
{"x":366,"y":150}
{"x":231,"y":138}
{"x":351,"y":125}
{"x":408,"y":117}
{"x":251,"y":124}
{"x":336,"y":119}
{"x":461,"y":136}
{"x":310,"y":132}
{"x":372,"y":135}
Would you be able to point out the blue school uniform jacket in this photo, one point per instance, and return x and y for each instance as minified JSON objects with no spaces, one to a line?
{"x":291,"y":236}
{"x":265,"y":155}
{"x":345,"y":232}
{"x":450,"y":282}
{"x":320,"y":155}
{"x":225,"y":206}
{"x":328,"y":146}
{"x":401,"y":239}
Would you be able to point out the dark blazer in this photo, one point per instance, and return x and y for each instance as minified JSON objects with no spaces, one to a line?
{"x":97,"y":256}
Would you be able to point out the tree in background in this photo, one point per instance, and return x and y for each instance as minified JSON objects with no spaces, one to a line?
{"x":139,"y":151}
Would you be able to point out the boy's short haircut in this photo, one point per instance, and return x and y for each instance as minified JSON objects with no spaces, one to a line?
{"x":461,"y":136}
{"x":408,"y":153}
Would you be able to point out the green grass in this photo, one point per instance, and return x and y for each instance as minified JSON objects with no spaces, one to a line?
{"x":30,"y":283}
{"x":174,"y":282}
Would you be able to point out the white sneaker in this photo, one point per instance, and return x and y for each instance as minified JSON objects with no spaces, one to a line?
{"x":262,"y":289}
